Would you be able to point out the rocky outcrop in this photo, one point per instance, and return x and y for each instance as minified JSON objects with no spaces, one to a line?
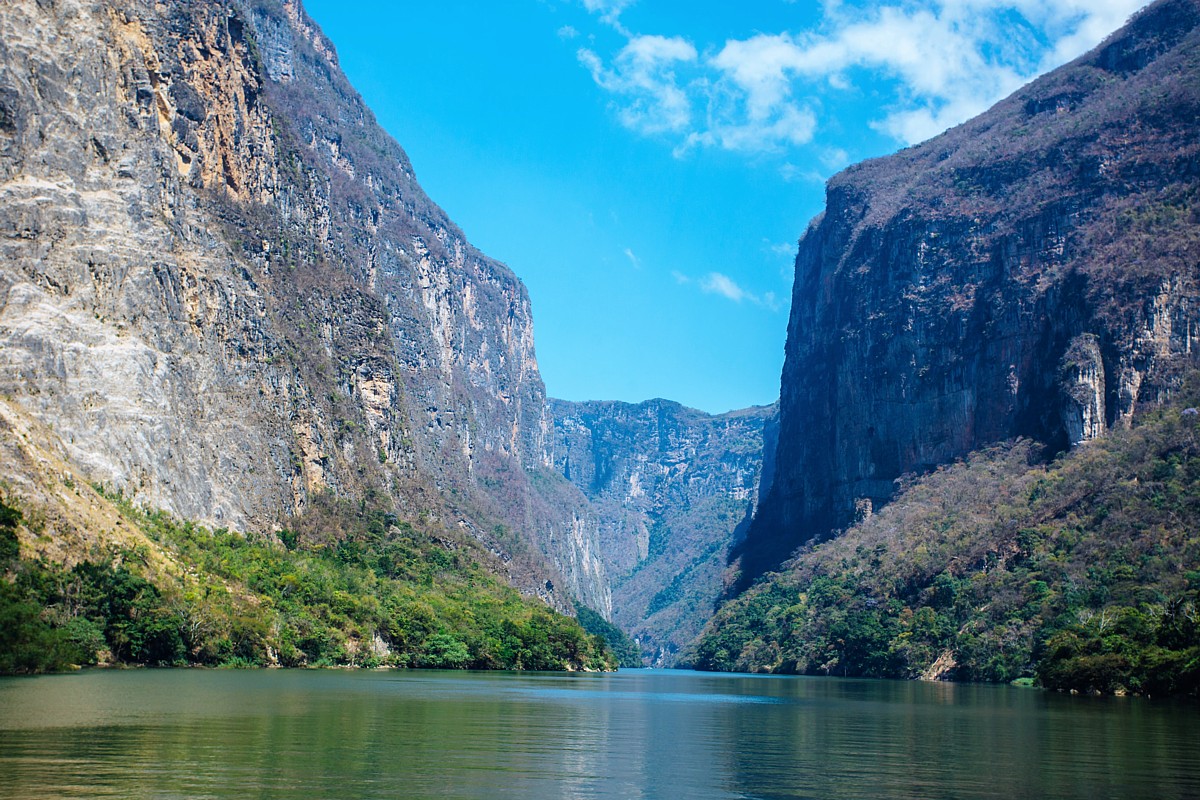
{"x":1081,"y":378}
{"x":670,"y":487}
{"x":223,"y":289}
{"x":1033,"y":272}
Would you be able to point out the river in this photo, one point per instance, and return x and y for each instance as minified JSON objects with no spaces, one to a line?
{"x":634,"y":734}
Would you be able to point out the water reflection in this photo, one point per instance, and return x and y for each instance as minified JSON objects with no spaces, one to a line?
{"x":193,"y":734}
{"x":850,"y":739}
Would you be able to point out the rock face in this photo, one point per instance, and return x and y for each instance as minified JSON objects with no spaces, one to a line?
{"x":670,"y":488}
{"x":223,"y":289}
{"x":1034,"y":272}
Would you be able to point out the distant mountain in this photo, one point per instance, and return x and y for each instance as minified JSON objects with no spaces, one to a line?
{"x":671,"y":488}
{"x":1034,"y":272}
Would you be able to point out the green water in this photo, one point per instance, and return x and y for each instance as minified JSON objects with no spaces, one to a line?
{"x":637,"y":734}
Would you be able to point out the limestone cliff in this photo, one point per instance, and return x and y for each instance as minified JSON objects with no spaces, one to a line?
{"x":224,"y":291}
{"x":670,"y":487}
{"x":1033,"y":272}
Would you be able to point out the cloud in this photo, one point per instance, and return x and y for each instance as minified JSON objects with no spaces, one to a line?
{"x":788,"y":125}
{"x":1098,"y":19}
{"x":607,"y":7}
{"x":633,"y":259}
{"x":786,"y":252}
{"x":934,"y":63}
{"x":792,"y":173}
{"x":609,"y":11}
{"x":937,"y":57}
{"x":721,"y":285}
{"x":724,"y":286}
{"x":643,"y":77}
{"x":567,"y":32}
{"x":716,"y":283}
{"x":834,"y":158}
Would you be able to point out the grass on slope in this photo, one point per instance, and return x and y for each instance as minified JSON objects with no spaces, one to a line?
{"x":1083,"y":574}
{"x":356,"y":588}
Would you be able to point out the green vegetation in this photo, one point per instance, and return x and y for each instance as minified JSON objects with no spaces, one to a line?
{"x":677,"y":590}
{"x":353,"y":587}
{"x":1083,"y":574}
{"x":624,"y":649}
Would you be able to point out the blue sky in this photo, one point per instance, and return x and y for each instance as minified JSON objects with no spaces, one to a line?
{"x":647,"y":167}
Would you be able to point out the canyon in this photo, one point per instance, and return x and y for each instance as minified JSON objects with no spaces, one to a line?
{"x":225,"y":298}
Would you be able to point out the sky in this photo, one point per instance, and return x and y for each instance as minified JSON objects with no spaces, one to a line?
{"x":648,"y":167}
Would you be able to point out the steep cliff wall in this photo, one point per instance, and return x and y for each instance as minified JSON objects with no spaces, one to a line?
{"x":1034,"y":272}
{"x":224,"y":290}
{"x":669,"y":488}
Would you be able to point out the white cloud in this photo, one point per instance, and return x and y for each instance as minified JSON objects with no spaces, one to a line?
{"x":792,"y":173}
{"x":1099,"y":18}
{"x":609,"y":11}
{"x":786,"y":252}
{"x":605,"y":6}
{"x":937,"y":56}
{"x":724,"y":286}
{"x":643,"y":76}
{"x":716,"y":283}
{"x":633,"y":259}
{"x":788,"y":125}
{"x":680,"y":278}
{"x":942,"y":61}
{"x":567,"y":32}
{"x":834,"y":158}
{"x":758,"y":66}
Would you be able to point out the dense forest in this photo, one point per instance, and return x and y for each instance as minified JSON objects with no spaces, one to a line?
{"x":1082,"y":574}
{"x":351,"y":586}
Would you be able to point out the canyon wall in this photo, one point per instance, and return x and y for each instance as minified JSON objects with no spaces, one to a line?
{"x":224,"y":292}
{"x":1034,"y":272}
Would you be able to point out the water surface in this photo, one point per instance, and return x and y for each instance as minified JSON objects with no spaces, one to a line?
{"x":636,"y":734}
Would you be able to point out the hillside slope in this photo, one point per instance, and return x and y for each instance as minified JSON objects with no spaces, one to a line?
{"x":87,"y":577}
{"x":1083,"y":573}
